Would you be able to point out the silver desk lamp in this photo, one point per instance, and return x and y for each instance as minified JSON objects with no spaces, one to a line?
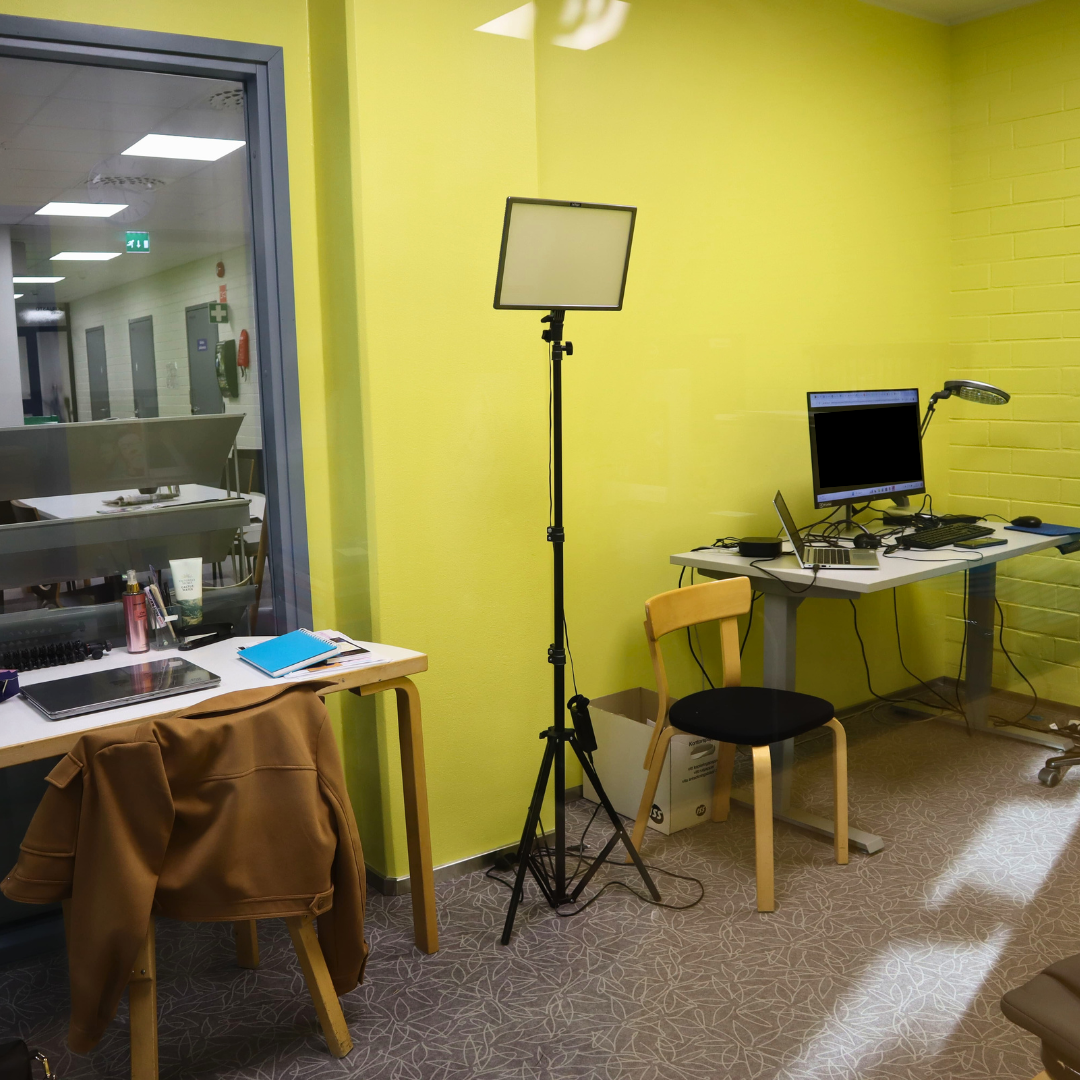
{"x":969,"y":390}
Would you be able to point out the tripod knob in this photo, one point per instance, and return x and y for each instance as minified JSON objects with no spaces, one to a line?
{"x":568,"y":348}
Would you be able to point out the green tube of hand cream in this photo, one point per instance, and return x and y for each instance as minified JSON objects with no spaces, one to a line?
{"x":187,"y":589}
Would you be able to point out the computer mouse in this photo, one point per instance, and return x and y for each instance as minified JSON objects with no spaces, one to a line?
{"x":1026,"y":521}
{"x":867,"y":541}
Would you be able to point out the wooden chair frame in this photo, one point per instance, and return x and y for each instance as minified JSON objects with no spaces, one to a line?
{"x":142,"y":989}
{"x":725,"y":601}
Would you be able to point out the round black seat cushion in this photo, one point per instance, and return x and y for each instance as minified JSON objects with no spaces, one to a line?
{"x":750,"y":715}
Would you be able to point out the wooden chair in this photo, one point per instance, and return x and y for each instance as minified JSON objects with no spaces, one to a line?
{"x":733,"y":714}
{"x":142,"y":990}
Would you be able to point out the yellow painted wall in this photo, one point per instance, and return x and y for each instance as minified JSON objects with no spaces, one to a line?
{"x":790,"y":162}
{"x":1016,"y":313}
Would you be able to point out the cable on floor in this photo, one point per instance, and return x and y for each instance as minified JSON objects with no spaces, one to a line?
{"x":582,"y":862}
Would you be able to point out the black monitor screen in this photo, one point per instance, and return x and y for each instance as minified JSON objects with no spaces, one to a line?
{"x":864,"y":444}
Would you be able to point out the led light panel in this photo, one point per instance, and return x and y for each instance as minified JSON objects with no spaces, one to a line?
{"x":81,"y":209}
{"x":182,"y":146}
{"x":85,"y":256}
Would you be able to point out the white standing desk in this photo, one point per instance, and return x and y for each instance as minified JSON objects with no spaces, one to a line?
{"x":903,"y":568}
{"x":93,"y":502}
{"x":25,"y":734}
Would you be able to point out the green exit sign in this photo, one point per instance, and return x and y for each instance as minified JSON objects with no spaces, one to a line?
{"x":137,"y":243}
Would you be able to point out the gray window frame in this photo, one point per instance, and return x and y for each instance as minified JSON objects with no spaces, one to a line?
{"x":261,"y":69}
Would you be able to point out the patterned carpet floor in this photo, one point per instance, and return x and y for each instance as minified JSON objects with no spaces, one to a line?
{"x":887,"y":969}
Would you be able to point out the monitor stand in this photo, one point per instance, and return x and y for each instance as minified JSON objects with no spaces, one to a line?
{"x":849,"y":527}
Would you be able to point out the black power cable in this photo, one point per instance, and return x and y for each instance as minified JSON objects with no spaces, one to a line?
{"x":866,"y":665}
{"x":583,"y":862}
{"x":754,"y":598}
{"x":1001,"y":642}
{"x":900,"y":652}
{"x":963,"y":650}
{"x":689,"y":637}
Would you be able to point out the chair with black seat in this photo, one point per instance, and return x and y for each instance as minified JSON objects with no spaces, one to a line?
{"x":1049,"y":1006}
{"x":733,"y":715}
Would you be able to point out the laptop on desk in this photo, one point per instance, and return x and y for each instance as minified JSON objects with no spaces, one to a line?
{"x":822,"y":558}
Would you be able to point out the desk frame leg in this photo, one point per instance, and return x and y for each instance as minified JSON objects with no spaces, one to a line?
{"x":982,"y":592}
{"x":781,"y":617}
{"x":417,"y":828}
{"x":981,"y":626}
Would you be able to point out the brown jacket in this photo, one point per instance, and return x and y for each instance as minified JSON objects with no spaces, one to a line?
{"x":236,"y":809}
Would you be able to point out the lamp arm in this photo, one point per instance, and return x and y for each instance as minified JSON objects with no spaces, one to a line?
{"x":931,"y":405}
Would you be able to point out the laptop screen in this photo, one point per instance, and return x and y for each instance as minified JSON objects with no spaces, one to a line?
{"x":788,"y":522}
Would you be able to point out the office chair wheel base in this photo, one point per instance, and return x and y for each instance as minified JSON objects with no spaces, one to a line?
{"x":1050,"y":777}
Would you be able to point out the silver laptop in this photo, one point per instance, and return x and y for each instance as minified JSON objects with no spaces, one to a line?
{"x":822,"y":558}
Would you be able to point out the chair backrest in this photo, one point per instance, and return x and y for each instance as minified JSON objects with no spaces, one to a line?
{"x":680,"y":608}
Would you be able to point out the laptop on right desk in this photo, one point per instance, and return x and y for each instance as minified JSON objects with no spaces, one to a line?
{"x":822,"y":558}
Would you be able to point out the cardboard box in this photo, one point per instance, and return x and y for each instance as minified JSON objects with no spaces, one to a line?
{"x":624,"y":725}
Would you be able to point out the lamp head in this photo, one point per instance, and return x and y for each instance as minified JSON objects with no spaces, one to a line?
{"x":970,"y":390}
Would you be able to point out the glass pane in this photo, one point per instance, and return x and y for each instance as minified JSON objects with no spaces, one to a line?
{"x":130,"y":432}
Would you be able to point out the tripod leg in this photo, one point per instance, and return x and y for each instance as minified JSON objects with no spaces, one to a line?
{"x":528,"y":838}
{"x":620,"y":831}
{"x":597,"y":863}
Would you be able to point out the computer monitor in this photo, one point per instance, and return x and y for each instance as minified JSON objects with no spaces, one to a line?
{"x":864,"y":444}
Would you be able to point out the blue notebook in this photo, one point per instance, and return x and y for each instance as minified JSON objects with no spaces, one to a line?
{"x":1046,"y":530}
{"x":290,"y":652}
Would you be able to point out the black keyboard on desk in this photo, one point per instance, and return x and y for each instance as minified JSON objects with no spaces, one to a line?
{"x":943,"y":535}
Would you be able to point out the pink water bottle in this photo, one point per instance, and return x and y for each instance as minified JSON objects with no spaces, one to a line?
{"x":135,"y":616}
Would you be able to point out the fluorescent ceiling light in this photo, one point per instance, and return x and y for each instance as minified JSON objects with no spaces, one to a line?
{"x":18,"y":295}
{"x":36,"y":280}
{"x":182,"y":146}
{"x":85,"y":256}
{"x":82,"y":209}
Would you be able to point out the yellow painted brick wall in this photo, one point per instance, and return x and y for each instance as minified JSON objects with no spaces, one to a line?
{"x":1016,"y":316}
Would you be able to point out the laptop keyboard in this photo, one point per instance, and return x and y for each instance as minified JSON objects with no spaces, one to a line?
{"x":827,"y":556}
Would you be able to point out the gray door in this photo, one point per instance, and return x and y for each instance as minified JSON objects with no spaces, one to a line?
{"x":98,"y":370}
{"x":201,"y":342}
{"x":143,"y":365}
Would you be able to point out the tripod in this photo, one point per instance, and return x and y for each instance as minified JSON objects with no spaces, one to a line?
{"x":550,"y":873}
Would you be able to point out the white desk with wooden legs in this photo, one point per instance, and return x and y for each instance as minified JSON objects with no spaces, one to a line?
{"x":25,"y":735}
{"x":791,"y":585}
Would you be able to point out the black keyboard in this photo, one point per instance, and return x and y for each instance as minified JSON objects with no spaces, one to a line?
{"x":943,"y":535}
{"x":32,"y":657}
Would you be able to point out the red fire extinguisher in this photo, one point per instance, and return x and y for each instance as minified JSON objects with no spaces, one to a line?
{"x":243,"y":360}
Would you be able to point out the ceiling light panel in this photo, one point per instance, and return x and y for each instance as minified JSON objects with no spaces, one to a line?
{"x":36,"y":280}
{"x":85,"y":256}
{"x":79,"y":209}
{"x":18,"y":296}
{"x":182,"y":146}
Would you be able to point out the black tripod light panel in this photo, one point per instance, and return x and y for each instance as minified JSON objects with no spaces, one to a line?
{"x":559,"y":256}
{"x":568,"y":256}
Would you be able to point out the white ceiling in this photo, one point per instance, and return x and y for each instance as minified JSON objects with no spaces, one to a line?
{"x":950,"y":12}
{"x":61,"y":124}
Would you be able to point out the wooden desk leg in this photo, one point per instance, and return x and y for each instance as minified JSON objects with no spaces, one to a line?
{"x":247,"y":943}
{"x":418,"y":833}
{"x":142,"y":1007}
{"x":414,"y":779}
